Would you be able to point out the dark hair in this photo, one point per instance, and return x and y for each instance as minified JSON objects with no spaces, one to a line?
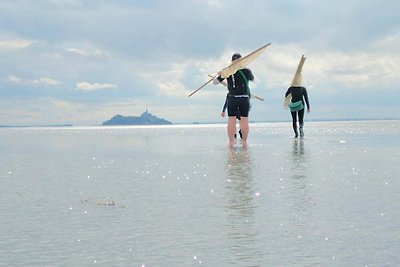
{"x":236,"y":56}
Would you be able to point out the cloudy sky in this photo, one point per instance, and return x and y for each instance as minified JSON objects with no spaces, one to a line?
{"x":81,"y":62}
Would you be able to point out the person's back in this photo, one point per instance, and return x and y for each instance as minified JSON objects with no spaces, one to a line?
{"x":299,"y":94}
{"x":238,"y":101}
{"x":238,"y":82}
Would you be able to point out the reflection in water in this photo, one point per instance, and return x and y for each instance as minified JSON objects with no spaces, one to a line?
{"x":298,"y":148}
{"x":298,"y":167}
{"x":241,"y":207}
{"x":298,"y":159}
{"x":297,"y":192}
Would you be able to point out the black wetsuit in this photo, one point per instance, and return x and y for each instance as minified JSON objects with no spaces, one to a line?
{"x":239,"y":92}
{"x":298,"y":93}
{"x":226,"y":104}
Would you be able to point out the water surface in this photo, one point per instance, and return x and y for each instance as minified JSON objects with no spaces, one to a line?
{"x":178,"y":196}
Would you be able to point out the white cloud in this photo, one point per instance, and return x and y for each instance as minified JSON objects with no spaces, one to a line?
{"x":364,"y":69}
{"x":39,"y":81}
{"x":390,"y":43}
{"x":85,"y":86}
{"x":14,"y":44}
{"x":86,"y":53}
{"x":13,"y":79}
{"x":329,"y":69}
{"x":46,"y":81}
{"x":66,"y":3}
{"x":168,"y":82}
{"x":160,"y":57}
{"x":214,"y":4}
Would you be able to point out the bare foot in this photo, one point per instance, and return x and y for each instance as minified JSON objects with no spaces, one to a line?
{"x":231,"y":143}
{"x":244,"y":143}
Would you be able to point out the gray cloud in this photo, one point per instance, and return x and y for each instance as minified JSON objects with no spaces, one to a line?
{"x":154,"y":53}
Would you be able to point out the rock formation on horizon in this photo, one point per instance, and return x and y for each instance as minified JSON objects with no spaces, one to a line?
{"x":145,"y":119}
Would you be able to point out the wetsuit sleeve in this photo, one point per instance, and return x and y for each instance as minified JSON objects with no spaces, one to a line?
{"x":249,"y":74}
{"x":225,"y":104}
{"x":220,"y":79}
{"x":289,"y":91}
{"x":306,"y":97}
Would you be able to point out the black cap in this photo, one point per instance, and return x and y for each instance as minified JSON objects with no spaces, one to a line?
{"x":236,"y":56}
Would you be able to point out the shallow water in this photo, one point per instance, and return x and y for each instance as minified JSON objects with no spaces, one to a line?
{"x":178,"y":196}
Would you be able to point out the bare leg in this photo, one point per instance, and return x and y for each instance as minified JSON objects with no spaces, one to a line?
{"x":244,"y":126}
{"x":231,"y":129}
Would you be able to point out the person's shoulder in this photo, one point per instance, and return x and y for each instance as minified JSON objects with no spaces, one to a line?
{"x":246,"y":69}
{"x":248,"y":73}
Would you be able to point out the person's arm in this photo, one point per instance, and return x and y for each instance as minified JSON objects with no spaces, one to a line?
{"x":306,"y":98}
{"x":249,"y":74}
{"x":288,"y":92}
{"x":218,"y":80}
{"x":225,"y":105}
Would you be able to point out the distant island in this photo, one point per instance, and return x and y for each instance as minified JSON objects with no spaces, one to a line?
{"x":145,"y":119}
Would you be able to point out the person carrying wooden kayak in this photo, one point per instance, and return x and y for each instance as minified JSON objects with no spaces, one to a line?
{"x":239,"y":101}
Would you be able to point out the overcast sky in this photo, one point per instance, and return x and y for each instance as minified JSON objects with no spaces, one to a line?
{"x":82,"y":62}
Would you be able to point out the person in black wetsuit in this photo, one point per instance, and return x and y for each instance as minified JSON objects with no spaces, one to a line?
{"x":237,"y":115}
{"x":238,"y":100}
{"x":299,"y":93}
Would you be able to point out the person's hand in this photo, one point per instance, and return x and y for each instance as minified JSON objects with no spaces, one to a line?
{"x":222,"y":114}
{"x":308,"y":110}
{"x":215,"y":81}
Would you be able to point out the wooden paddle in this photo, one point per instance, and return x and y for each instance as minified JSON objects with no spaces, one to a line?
{"x":235,"y":66}
{"x":252,"y":95}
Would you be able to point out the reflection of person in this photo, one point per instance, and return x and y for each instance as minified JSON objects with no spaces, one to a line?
{"x":237,"y":115}
{"x":299,"y":94}
{"x":238,"y":100}
{"x":241,"y":206}
{"x":298,"y":149}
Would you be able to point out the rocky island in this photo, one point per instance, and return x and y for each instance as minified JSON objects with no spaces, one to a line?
{"x":145,"y":119}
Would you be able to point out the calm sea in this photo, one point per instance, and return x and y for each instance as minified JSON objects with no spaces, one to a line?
{"x":178,"y":196}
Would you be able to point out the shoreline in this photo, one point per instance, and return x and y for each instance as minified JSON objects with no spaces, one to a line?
{"x":196,"y":124}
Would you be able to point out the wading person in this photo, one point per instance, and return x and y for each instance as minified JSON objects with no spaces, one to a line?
{"x":238,"y":101}
{"x":296,"y":105}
